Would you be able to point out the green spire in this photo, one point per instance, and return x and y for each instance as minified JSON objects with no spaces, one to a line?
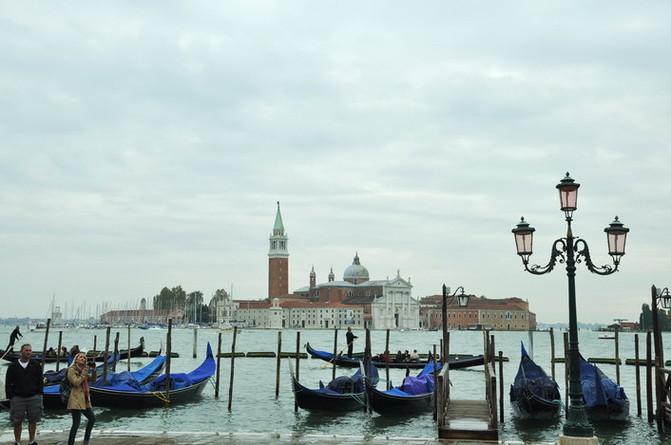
{"x":278,"y":228}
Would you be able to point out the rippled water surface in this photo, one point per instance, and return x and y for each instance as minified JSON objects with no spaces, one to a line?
{"x":255,"y":408}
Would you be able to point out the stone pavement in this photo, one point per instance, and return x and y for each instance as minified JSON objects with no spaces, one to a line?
{"x":107,"y":437}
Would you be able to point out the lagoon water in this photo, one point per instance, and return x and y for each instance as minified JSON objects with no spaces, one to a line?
{"x":255,"y":408}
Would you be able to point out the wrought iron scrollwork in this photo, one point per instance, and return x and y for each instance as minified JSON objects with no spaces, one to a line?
{"x":582,"y":253}
{"x":557,"y":254}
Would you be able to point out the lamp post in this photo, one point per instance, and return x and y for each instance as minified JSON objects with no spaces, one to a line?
{"x":462,"y":300}
{"x":663,"y":296}
{"x":572,"y":250}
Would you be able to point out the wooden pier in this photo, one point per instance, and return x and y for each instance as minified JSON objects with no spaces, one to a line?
{"x":469,"y":419}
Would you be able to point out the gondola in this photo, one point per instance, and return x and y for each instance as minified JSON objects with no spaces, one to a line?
{"x":184,"y":388}
{"x":341,"y":394}
{"x":144,"y":375}
{"x":414,"y":396}
{"x":533,"y":394}
{"x":455,"y":361}
{"x":13,"y":356}
{"x":604,"y":399}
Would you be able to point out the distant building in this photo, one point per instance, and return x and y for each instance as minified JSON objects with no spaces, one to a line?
{"x":141,"y":316}
{"x":625,"y":326}
{"x":482,"y":313}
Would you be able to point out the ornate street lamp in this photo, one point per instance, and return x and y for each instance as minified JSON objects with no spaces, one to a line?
{"x":572,"y":250}
{"x":462,"y":301}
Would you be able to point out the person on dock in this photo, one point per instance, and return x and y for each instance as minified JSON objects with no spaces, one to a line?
{"x":15,"y":335}
{"x":79,"y":401}
{"x":414,"y":356}
{"x":24,"y":385}
{"x":350,"y":341}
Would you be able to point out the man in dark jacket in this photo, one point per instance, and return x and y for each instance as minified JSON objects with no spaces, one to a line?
{"x":350,"y":341}
{"x":23,"y":385}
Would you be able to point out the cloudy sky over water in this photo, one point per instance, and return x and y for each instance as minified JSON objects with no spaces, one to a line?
{"x":145,"y":144}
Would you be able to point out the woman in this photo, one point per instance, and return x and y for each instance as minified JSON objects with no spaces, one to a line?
{"x":79,"y":401}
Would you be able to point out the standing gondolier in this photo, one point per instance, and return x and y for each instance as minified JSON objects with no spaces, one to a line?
{"x":15,"y":335}
{"x":350,"y":341}
{"x":23,"y":387}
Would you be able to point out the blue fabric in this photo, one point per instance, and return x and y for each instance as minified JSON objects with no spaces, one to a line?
{"x":597,"y":388}
{"x":348,"y":385}
{"x":421,"y":384}
{"x":177,"y":381}
{"x":531,"y":377}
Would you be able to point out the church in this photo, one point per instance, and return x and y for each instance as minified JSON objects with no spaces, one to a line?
{"x":355,"y":301}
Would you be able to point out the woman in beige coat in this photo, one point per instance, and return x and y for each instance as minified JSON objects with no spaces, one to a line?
{"x":79,"y":401}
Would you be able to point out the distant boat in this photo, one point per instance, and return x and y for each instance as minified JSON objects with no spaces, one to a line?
{"x":606,"y":337}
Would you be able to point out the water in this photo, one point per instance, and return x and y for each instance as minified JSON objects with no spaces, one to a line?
{"x":256,"y":410}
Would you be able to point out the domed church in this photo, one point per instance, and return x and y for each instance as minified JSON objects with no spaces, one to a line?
{"x":387,"y":304}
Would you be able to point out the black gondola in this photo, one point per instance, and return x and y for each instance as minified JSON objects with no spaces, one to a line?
{"x":604,"y":399}
{"x":13,"y":356}
{"x":414,"y":396}
{"x":455,"y":361}
{"x":533,"y":394}
{"x":341,"y":394}
{"x":146,"y":374}
{"x":184,"y":388}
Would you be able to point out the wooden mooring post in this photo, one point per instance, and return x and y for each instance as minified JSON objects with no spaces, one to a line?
{"x":58,"y":351}
{"x":168,"y":359}
{"x":435,"y":380}
{"x":298,"y":364}
{"x":195,"y":342}
{"x":335,"y":352}
{"x":230,"y":385}
{"x":218,"y":377}
{"x":366,"y":361}
{"x":387,"y":356}
{"x":95,"y":343}
{"x":46,"y":339}
{"x":638,"y":377}
{"x":278,"y":364}
{"x":106,"y":353}
{"x":617,"y":356}
{"x":128,"y":335}
{"x":552,"y":352}
{"x":501,"y":394}
{"x":648,"y":376}
{"x":116,"y":351}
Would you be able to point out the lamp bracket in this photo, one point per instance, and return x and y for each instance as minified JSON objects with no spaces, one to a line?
{"x":557,"y":254}
{"x":582,"y":253}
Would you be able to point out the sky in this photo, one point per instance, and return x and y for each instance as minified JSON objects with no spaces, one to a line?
{"x":145,"y":145}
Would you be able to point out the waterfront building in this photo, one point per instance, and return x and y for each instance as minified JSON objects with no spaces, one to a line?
{"x":278,"y":259}
{"x":481,"y":313}
{"x":141,"y":316}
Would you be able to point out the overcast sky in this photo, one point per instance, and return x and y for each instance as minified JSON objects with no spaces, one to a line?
{"x":144,"y":144}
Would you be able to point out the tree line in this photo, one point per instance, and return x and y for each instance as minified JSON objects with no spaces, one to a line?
{"x":192,"y":303}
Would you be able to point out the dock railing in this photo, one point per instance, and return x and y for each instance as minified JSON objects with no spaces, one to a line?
{"x":443,"y":394}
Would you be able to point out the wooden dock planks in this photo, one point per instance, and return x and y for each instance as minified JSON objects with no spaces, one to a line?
{"x":468,"y":420}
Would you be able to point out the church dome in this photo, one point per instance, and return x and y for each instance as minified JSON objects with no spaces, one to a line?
{"x":356,"y":273}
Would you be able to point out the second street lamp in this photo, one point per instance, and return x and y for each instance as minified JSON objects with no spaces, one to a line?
{"x":462,"y":301}
{"x":572,"y":250}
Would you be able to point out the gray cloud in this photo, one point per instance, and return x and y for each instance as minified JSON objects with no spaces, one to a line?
{"x":145,"y":145}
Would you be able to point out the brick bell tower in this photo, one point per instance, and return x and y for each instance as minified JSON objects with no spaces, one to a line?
{"x":278,"y":259}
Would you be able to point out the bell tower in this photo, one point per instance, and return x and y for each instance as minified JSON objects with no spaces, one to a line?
{"x":278,"y":259}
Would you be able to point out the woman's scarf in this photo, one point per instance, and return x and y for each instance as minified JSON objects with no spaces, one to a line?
{"x":85,"y":383}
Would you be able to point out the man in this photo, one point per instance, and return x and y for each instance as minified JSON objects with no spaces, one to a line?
{"x":23,"y":386}
{"x":350,"y":341}
{"x":15,"y":335}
